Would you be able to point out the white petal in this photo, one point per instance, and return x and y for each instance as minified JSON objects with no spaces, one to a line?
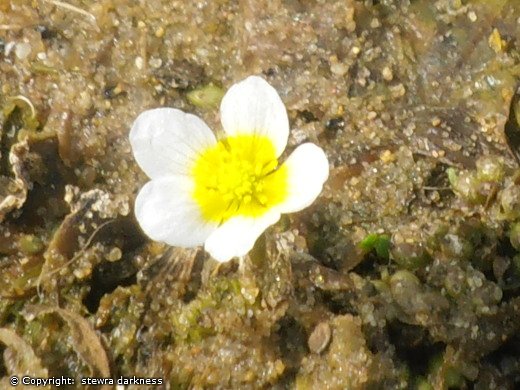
{"x":253,"y":106}
{"x":166,"y":212}
{"x":237,"y":236}
{"x":166,"y":141}
{"x":308,"y":169}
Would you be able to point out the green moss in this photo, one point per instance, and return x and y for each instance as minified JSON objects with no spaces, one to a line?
{"x":445,"y":373}
{"x":30,"y":244}
{"x":422,"y":384}
{"x":193,"y":322}
{"x":514,"y":235}
{"x":453,"y":378}
{"x":378,"y":243}
{"x":27,"y":279}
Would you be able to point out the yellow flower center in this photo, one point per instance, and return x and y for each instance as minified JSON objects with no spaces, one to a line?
{"x":238,"y":177}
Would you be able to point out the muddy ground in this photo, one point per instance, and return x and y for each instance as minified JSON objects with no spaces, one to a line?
{"x":405,"y":273}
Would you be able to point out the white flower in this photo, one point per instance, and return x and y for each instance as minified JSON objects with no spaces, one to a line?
{"x":222,"y":193}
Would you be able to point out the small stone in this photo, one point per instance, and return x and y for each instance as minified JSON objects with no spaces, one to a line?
{"x":339,"y":68}
{"x":398,"y":90}
{"x":159,"y":33}
{"x":115,"y":254}
{"x":496,"y":42}
{"x":139,"y":62}
{"x":155,"y":62}
{"x":250,"y":293}
{"x":387,"y":73}
{"x":333,"y":125}
{"x":320,"y":337}
{"x":472,"y":16}
{"x":375,"y":23}
{"x":372,"y":115}
{"x":490,"y":168}
{"x":22,"y":50}
{"x":8,"y":48}
{"x":387,"y":156}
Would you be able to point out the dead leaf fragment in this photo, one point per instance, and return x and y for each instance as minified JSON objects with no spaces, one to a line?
{"x":85,"y":340}
{"x":19,"y":357}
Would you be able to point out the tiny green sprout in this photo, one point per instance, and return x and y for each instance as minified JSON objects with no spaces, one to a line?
{"x":452,"y":176}
{"x":207,"y":96}
{"x":380,"y":243}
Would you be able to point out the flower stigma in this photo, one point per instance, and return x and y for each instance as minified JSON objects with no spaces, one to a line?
{"x":239,"y":176}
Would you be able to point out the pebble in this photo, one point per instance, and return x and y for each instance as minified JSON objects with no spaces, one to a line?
{"x":339,"y":68}
{"x":155,"y":62}
{"x":375,"y":23}
{"x":159,"y":33}
{"x":114,"y":254}
{"x":22,"y":50}
{"x":139,"y":62}
{"x":387,"y":156}
{"x":387,"y":73}
{"x":320,"y":337}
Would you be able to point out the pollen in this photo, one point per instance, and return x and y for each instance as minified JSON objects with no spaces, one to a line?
{"x":239,"y":176}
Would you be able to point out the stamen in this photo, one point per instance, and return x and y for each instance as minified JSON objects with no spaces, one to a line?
{"x":236,"y":177}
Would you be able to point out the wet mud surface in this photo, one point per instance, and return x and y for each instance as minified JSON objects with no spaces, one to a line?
{"x":405,"y":273}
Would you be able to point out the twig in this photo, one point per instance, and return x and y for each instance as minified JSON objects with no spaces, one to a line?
{"x":74,"y":258}
{"x":73,"y":8}
{"x":430,"y":188}
{"x":8,"y":27}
